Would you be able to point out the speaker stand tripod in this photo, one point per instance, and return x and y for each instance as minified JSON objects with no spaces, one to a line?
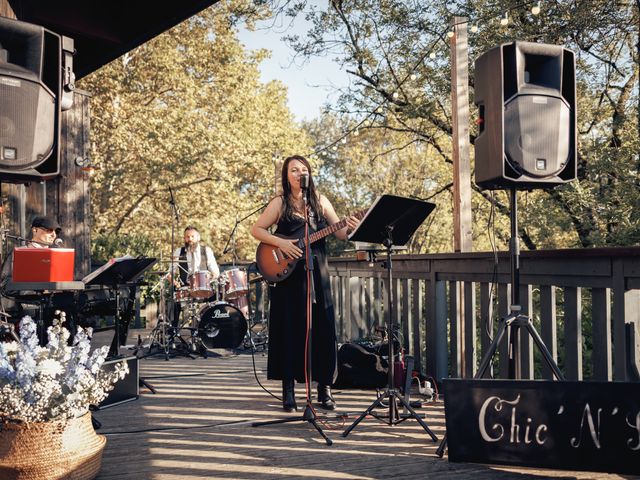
{"x":514,"y":321}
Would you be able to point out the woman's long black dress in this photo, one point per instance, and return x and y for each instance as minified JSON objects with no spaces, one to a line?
{"x":287,"y":318}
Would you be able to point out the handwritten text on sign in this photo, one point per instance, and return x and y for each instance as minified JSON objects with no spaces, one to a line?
{"x":572,"y":425}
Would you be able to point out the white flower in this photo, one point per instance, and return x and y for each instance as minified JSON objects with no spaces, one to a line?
{"x":52,"y":382}
{"x":50,"y":367}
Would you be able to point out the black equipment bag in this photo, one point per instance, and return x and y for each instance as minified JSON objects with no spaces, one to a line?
{"x":361,"y":367}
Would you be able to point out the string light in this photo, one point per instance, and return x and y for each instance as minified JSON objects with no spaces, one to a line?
{"x":536,"y":8}
{"x":450,"y":34}
{"x":432,"y":55}
{"x":504,"y":21}
{"x":413,"y":76}
{"x":395,"y":95}
{"x":474,"y":28}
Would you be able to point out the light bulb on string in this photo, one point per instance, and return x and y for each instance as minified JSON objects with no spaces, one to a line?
{"x":413,"y":76}
{"x":536,"y":8}
{"x":395,"y":95}
{"x":474,"y":28}
{"x":450,"y":34}
{"x":432,"y":55}
{"x":504,"y":21}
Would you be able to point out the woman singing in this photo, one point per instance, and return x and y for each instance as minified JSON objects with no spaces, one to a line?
{"x":287,"y":316}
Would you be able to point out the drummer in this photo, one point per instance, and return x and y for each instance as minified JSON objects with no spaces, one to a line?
{"x":190,"y":259}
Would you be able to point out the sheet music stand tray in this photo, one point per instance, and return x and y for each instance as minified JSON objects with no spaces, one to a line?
{"x":390,"y":221}
{"x":115,"y":273}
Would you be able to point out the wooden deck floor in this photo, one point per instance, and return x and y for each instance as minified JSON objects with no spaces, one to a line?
{"x":198,"y":426}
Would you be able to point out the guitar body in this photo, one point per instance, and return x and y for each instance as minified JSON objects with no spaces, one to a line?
{"x":273,"y":265}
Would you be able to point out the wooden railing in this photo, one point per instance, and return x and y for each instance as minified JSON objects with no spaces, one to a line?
{"x":585,"y":303}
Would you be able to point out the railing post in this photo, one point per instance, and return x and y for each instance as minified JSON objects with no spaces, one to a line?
{"x":548,"y":326}
{"x":572,"y":333}
{"x":601,"y":334}
{"x":440,"y":342}
{"x":469,"y":309}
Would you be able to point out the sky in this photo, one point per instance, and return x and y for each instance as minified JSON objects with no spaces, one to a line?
{"x":309,"y":84}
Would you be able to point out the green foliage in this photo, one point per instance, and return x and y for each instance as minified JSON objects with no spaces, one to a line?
{"x":110,"y":245}
{"x":187,"y":110}
{"x":401,"y":96}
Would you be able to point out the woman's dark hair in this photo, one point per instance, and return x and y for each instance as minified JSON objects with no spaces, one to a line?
{"x":314,"y":200}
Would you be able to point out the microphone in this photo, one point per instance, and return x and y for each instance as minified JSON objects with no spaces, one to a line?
{"x":304,"y":181}
{"x":58,"y":242}
{"x":172,"y":201}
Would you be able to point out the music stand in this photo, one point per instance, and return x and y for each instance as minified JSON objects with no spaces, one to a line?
{"x":390,"y":221}
{"x":115,"y":273}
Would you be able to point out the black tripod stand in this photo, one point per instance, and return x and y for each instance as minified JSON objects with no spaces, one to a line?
{"x":514,"y":321}
{"x":384,"y":224}
{"x":309,"y":415}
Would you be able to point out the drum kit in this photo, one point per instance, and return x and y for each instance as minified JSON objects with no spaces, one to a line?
{"x":216,"y":313}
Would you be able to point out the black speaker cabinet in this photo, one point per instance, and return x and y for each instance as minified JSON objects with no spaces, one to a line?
{"x":32,"y":88}
{"x":124,"y":390}
{"x":526,"y":95}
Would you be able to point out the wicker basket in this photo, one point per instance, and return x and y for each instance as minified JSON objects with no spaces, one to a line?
{"x":50,"y":450}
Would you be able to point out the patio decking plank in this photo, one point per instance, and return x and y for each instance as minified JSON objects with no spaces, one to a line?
{"x":219,"y":398}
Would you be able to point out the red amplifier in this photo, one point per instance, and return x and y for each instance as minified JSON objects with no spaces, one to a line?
{"x":43,"y":264}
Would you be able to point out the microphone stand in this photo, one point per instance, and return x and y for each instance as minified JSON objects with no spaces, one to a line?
{"x":174,"y":221}
{"x":309,"y":415}
{"x":232,"y":238}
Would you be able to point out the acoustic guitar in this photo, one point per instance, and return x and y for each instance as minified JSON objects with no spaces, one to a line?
{"x":275,"y":266}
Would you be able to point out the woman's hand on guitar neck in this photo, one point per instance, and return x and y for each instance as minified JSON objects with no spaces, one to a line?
{"x":289,"y":247}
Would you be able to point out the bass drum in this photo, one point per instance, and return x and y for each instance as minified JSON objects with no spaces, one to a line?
{"x":221,"y":326}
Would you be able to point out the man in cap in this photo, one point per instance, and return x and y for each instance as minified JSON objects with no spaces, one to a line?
{"x":44,"y":231}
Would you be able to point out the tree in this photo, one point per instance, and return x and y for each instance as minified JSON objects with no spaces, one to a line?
{"x":388,"y":45}
{"x":187,"y":111}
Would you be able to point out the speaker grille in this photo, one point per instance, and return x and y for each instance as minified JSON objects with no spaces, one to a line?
{"x":537,"y":135}
{"x":27,"y":123}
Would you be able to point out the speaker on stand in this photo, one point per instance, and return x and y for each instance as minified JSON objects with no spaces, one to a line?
{"x":526,"y":96}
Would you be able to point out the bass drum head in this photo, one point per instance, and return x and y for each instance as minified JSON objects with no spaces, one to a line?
{"x":222,"y":326}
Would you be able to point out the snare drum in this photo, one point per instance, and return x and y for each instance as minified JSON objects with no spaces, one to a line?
{"x":200,"y":284}
{"x":236,"y":283}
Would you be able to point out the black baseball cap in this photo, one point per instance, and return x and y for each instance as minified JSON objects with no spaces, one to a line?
{"x":45,"y":222}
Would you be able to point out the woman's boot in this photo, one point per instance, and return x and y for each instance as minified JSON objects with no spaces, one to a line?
{"x":325,"y":398}
{"x":289,"y":396}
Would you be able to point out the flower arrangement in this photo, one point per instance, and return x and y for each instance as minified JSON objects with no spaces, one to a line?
{"x":55,"y":382}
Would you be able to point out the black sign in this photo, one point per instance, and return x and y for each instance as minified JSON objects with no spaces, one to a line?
{"x":593,"y":426}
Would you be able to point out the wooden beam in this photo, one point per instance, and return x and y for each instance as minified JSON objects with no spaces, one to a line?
{"x":462,"y":236}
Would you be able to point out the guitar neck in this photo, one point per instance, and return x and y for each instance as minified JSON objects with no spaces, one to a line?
{"x":314,"y":237}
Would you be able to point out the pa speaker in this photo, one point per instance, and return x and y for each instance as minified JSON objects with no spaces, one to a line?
{"x":33,"y":76}
{"x":526,"y":96}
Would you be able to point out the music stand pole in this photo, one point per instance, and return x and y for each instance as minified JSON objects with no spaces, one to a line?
{"x":391,"y":391}
{"x":309,"y":414}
